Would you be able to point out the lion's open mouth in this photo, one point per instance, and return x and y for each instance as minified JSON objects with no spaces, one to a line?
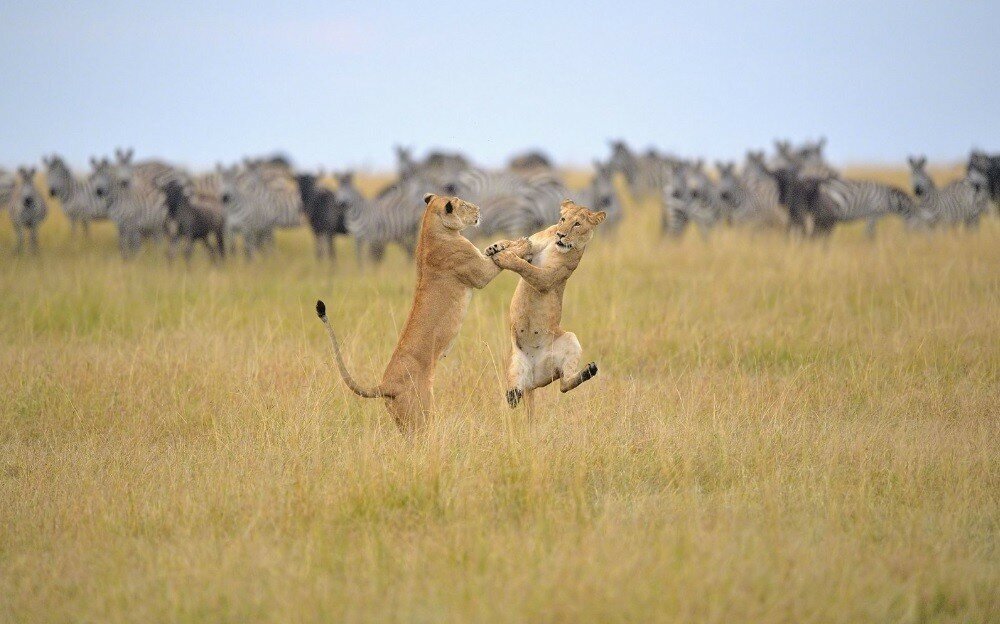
{"x":561,"y":245}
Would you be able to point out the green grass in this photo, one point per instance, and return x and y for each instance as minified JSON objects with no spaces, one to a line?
{"x":780,"y":431}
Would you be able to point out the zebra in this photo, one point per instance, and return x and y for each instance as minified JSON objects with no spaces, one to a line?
{"x":437,"y":169}
{"x":530,"y":161}
{"x":676,"y":206}
{"x":751,"y":197}
{"x":623,"y":161}
{"x":689,"y":196}
{"x":511,"y":204}
{"x":256,"y":199}
{"x":960,"y":202}
{"x":986,"y":169}
{"x":25,"y":205}
{"x":134,"y":200}
{"x":601,"y":194}
{"x":392,"y":216}
{"x":76,"y":196}
{"x":864,"y":199}
{"x":807,"y":159}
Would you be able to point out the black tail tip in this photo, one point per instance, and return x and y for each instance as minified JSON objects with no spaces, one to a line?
{"x":320,"y":309}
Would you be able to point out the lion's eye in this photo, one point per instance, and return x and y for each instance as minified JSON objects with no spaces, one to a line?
{"x":561,"y":219}
{"x":576,"y":224}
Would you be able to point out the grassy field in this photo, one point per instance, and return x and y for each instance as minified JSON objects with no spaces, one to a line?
{"x":781,"y":431}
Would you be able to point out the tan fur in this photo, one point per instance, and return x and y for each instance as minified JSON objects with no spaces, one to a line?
{"x":448,"y":268}
{"x":541,"y":351}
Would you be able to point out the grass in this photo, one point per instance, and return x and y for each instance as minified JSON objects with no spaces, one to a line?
{"x":780,"y":432}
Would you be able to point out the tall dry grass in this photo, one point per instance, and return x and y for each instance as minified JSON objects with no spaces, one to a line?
{"x":780,"y":431}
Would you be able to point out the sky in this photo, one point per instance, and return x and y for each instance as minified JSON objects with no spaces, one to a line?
{"x":340,"y":83}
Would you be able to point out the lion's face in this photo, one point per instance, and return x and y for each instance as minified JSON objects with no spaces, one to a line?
{"x":455,"y":214}
{"x":576,"y":226}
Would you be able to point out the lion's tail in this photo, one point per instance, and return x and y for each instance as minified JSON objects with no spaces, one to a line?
{"x":368,"y":393}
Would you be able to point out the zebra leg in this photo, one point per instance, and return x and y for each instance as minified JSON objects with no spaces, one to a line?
{"x":220,"y":241}
{"x":172,"y":248}
{"x":359,"y":252}
{"x":376,"y":252}
{"x":72,"y":228}
{"x":20,"y":239}
{"x":85,"y":226}
{"x":319,"y":246}
{"x":331,"y":251}
{"x":870,"y":228}
{"x":188,"y":250}
{"x":33,"y":235}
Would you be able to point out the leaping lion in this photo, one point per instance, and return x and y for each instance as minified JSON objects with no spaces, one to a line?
{"x":541,"y":351}
{"x":448,"y":268}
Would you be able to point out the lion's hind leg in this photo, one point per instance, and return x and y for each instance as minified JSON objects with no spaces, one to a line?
{"x":567,"y":351}
{"x":519,"y":376}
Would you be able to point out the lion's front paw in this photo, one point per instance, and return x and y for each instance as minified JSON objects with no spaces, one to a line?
{"x":496,"y":248}
{"x":589,"y":372}
{"x":520,"y":247}
{"x":504,"y":259}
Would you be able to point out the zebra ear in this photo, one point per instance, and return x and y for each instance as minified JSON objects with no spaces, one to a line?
{"x":428,"y":198}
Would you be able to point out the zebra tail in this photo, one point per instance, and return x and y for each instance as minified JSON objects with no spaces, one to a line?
{"x":368,"y":393}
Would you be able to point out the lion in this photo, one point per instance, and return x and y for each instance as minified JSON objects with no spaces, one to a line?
{"x":448,"y":268}
{"x":541,"y":351}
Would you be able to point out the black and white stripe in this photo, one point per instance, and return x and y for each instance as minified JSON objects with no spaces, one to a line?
{"x":25,"y":205}
{"x":511,"y":204}
{"x":76,"y":195}
{"x":751,"y":197}
{"x":864,"y":199}
{"x":961,"y":202}
{"x":601,"y":194}
{"x":256,"y":200}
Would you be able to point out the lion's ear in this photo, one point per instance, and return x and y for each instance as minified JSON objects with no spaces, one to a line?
{"x":428,"y":198}
{"x":565,"y":206}
{"x":448,"y":207}
{"x":598,"y":217}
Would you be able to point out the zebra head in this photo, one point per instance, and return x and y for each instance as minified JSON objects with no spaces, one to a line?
{"x":58,"y":177}
{"x":231,"y":181}
{"x":29,"y":203}
{"x":921,"y":180}
{"x":347,"y":197}
{"x":602,"y":189}
{"x":729,"y":189}
{"x":979,"y":177}
{"x":103,"y":184}
{"x":405,"y":162}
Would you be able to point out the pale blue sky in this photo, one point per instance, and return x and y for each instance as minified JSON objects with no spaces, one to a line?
{"x":340,"y":83}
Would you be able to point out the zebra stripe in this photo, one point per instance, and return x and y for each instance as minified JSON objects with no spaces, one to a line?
{"x":864,"y":199}
{"x":256,"y":200}
{"x":963,"y":201}
{"x":77,"y":196}
{"x":25,"y":205}
{"x":751,"y":197}
{"x":512,"y":204}
{"x":393,"y":216}
{"x":601,"y":194}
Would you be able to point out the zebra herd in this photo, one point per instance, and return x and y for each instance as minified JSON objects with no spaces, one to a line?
{"x":794,"y":189}
{"x":797,"y":189}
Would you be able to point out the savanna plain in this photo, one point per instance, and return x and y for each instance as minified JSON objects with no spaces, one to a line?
{"x":781,"y":431}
